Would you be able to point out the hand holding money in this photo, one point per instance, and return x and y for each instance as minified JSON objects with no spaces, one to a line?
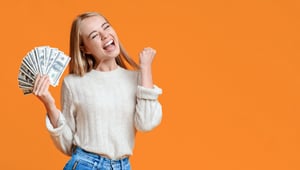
{"x":42,"y":60}
{"x":41,"y":89}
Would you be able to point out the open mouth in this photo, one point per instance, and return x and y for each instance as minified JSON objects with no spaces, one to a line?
{"x":109,"y":45}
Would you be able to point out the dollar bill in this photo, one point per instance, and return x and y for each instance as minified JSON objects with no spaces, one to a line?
{"x":26,"y":71}
{"x":27,"y":91}
{"x":57,"y":68}
{"x":31,"y":56}
{"x":41,"y":60}
{"x":54,"y":53}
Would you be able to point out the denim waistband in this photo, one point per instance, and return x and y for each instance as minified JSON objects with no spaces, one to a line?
{"x":82,"y":159}
{"x":94,"y":156}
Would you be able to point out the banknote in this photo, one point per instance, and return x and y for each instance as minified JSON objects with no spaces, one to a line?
{"x":58,"y":66}
{"x":44,"y":60}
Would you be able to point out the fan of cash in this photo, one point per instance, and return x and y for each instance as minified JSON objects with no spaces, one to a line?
{"x":42,"y":60}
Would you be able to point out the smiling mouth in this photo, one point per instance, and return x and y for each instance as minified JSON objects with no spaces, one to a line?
{"x":109,"y":44}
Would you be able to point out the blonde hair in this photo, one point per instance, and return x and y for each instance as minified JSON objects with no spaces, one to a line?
{"x":81,"y":62}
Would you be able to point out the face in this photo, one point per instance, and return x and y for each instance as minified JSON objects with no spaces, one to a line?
{"x":99,"y":38}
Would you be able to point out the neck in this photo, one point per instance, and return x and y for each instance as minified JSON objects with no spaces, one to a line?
{"x":107,"y":65}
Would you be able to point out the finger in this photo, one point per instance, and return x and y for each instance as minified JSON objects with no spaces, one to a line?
{"x":37,"y":79}
{"x":146,"y":51}
{"x":150,"y":50}
{"x":39,"y":85}
{"x":44,"y":86}
{"x":153,"y":52}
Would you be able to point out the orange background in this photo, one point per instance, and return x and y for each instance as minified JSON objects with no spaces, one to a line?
{"x":229,"y":70}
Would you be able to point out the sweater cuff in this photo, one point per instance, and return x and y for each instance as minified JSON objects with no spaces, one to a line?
{"x":60,"y":124}
{"x":148,"y":93}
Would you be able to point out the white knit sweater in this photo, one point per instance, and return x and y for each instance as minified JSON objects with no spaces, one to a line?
{"x":102,"y":110}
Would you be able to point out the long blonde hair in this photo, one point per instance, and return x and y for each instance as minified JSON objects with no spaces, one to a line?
{"x":81,"y":62}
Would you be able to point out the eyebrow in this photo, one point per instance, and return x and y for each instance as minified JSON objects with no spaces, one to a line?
{"x":95,"y":30}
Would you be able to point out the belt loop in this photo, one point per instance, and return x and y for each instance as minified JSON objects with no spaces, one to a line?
{"x":95,"y":164}
{"x":122,"y":166}
{"x":101,"y":161}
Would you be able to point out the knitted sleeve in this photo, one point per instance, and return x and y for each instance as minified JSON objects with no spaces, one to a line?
{"x":62,"y":136}
{"x":148,"y":109}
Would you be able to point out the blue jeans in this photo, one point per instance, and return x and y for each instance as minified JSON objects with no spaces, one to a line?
{"x":83,"y":160}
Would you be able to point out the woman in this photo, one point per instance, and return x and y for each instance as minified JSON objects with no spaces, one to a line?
{"x":103,"y":103}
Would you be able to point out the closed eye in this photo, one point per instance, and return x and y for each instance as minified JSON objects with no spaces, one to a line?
{"x":105,"y":26}
{"x":94,"y":36}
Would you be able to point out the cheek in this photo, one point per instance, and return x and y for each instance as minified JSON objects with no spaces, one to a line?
{"x":93,"y":47}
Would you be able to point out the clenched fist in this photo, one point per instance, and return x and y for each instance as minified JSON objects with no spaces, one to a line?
{"x":146,"y":57}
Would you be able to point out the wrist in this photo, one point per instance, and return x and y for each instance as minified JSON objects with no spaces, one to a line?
{"x":146,"y":77}
{"x":145,"y":67}
{"x":53,"y":114}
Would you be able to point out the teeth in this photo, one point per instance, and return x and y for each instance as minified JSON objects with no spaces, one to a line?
{"x":108,"y":43}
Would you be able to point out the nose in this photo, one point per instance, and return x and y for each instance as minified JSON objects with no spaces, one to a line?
{"x":103,"y":35}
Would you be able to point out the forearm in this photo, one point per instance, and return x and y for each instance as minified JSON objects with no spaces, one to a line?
{"x":146,"y":57}
{"x":53,"y":113}
{"x":146,"y":76}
